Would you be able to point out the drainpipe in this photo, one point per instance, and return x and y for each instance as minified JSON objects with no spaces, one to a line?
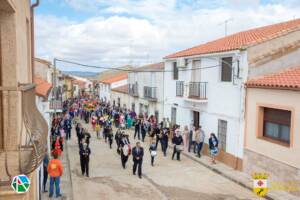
{"x":36,"y":4}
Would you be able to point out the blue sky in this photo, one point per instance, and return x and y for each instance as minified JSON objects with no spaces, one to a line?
{"x":119,"y":32}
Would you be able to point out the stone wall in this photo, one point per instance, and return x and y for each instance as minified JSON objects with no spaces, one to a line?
{"x":279,"y":172}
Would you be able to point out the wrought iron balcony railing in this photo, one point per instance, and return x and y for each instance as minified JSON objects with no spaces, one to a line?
{"x":150,"y":93}
{"x":25,"y":143}
{"x":133,"y":90}
{"x":197,"y":90}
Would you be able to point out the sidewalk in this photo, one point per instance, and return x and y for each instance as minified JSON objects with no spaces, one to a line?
{"x":65,"y":181}
{"x":238,"y":177}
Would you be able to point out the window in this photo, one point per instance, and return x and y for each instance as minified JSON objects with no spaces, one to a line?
{"x":157,"y":115}
{"x":141,"y":108}
{"x":179,"y":88}
{"x":276,"y":124}
{"x":175,"y":71}
{"x":173,"y":115}
{"x":226,"y":69}
{"x":222,"y":132}
{"x":133,"y":107}
{"x":119,"y":102}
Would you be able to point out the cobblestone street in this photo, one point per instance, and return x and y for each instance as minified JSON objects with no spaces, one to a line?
{"x":166,"y":180}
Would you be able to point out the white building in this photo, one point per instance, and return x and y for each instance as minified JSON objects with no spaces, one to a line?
{"x":120,"y":96}
{"x":206,"y":83}
{"x":106,"y":85}
{"x":146,"y":90}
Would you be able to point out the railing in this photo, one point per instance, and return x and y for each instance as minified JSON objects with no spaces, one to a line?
{"x":150,"y":93}
{"x":25,"y":140}
{"x":133,"y":90}
{"x":179,"y":88}
{"x":55,"y":104}
{"x":197,"y":90}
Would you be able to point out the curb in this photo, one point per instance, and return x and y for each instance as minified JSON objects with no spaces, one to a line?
{"x":70,"y":173}
{"x":217,"y":171}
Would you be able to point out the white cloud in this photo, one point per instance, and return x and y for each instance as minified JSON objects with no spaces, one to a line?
{"x":157,"y":29}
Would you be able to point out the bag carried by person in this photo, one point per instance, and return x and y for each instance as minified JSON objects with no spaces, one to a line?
{"x":126,"y":150}
{"x":179,"y":148}
{"x":153,"y":153}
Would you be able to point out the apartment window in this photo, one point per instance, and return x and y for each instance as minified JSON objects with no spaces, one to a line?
{"x":277,"y":124}
{"x":226,"y":69}
{"x":173,"y":115}
{"x":222,"y":132}
{"x":175,"y":71}
{"x":133,"y":107}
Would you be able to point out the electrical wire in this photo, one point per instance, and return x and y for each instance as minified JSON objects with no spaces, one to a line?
{"x":135,"y":70}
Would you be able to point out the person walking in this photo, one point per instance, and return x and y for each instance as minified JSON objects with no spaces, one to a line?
{"x":164,"y":141}
{"x":153,"y":152}
{"x":178,"y":147}
{"x":55,"y":171}
{"x":213,"y":147}
{"x":186,"y":134}
{"x":138,"y":154}
{"x":192,"y":139}
{"x":124,"y":149}
{"x":85,"y":152}
{"x":68,"y":127}
{"x":110,"y":138}
{"x":45,"y":170}
{"x":200,"y":140}
{"x":137,"y":129}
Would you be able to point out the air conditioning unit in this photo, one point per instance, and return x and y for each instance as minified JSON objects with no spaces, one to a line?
{"x":181,"y":63}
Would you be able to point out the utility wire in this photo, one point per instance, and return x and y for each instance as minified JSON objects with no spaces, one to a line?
{"x":135,"y":70}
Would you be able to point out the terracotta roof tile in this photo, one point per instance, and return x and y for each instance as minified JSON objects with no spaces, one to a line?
{"x":121,"y":89}
{"x":42,"y":87}
{"x":151,"y":67}
{"x":240,"y":40}
{"x":288,"y":79}
{"x":115,"y":78}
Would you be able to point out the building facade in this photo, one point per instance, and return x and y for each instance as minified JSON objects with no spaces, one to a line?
{"x":23,"y":130}
{"x":271,"y":133}
{"x":120,"y":96}
{"x":204,"y":85}
{"x":146,"y":90}
{"x":107,"y":84}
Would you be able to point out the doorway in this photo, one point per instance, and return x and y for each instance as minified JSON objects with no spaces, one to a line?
{"x":196,"y":118}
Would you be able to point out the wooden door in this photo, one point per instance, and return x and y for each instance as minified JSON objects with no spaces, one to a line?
{"x":196,"y":118}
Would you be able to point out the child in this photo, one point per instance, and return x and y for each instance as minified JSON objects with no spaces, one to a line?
{"x":153,"y":152}
{"x":97,"y":129}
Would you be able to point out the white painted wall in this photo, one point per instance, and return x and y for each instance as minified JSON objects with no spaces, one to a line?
{"x":225,"y":99}
{"x":105,"y":89}
{"x":150,"y":79}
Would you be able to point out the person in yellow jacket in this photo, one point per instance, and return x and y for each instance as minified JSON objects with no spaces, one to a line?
{"x":55,"y":171}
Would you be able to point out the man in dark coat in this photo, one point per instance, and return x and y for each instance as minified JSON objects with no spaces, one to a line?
{"x":137,"y":154}
{"x":85,"y":152}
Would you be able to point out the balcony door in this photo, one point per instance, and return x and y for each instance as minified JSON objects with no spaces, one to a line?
{"x":196,"y":72}
{"x":196,"y":118}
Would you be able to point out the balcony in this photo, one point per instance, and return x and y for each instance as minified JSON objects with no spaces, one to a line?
{"x":133,"y":90}
{"x":25,"y":132}
{"x":150,"y":93}
{"x":197,"y":90}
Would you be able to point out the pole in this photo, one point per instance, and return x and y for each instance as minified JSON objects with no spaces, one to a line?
{"x":54,"y":85}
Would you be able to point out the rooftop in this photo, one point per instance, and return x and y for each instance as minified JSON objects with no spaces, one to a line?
{"x":151,"y":67}
{"x":42,"y":87}
{"x":121,"y":89}
{"x":288,"y":79}
{"x":115,"y":78}
{"x":241,"y":40}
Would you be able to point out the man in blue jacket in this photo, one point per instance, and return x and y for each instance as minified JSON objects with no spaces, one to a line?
{"x":137,"y":154}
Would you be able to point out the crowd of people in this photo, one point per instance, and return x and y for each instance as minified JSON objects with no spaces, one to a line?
{"x":113,"y":123}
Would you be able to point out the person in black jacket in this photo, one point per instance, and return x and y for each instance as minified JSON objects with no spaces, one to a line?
{"x":137,"y":129}
{"x":164,"y":141}
{"x":177,"y":140}
{"x":213,"y":147}
{"x":118,"y":137}
{"x":153,"y":152}
{"x":137,"y":154}
{"x":85,"y":152}
{"x":124,"y":149}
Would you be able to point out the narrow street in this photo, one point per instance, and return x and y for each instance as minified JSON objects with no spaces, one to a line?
{"x":166,"y":180}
